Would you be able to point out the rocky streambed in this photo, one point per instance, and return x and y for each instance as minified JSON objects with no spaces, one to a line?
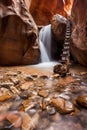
{"x":37,"y":99}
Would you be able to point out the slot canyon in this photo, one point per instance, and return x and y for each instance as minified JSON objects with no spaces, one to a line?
{"x":43,"y":67}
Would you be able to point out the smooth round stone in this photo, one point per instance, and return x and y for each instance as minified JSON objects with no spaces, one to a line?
{"x":43,"y":77}
{"x":83,"y":83}
{"x":34,"y":75}
{"x":64,"y":96}
{"x":24,"y":95}
{"x":32,"y":111}
{"x":82,"y":100}
{"x":51,"y":110}
{"x":28,"y":78}
{"x":63,"y":106}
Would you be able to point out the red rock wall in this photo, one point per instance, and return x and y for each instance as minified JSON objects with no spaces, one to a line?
{"x":43,"y":10}
{"x":18,"y":34}
{"x":79,"y":31}
{"x":27,"y":3}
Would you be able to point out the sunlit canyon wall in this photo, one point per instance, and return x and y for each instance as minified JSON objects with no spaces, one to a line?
{"x":43,"y":10}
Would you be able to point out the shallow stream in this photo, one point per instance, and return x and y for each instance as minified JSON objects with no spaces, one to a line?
{"x":46,"y":101}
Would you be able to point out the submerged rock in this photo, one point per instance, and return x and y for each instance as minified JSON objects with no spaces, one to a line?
{"x":82,"y":100}
{"x":15,"y":80}
{"x":43,"y":93}
{"x":30,"y":123}
{"x":5,"y":97}
{"x":26,"y":85}
{"x":62,"y":106}
{"x":51,"y":110}
{"x":6,"y":84}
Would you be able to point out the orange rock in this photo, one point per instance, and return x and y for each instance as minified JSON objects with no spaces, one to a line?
{"x":43,"y":93}
{"x":82,"y":100}
{"x":63,"y":106}
{"x":65,"y":81}
{"x":14,"y":118}
{"x":43,"y":10}
{"x":5,"y":97}
{"x":26,"y":85}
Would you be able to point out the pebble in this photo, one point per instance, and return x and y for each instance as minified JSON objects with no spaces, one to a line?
{"x":28,"y":78}
{"x":43,"y":93}
{"x":14,"y":90}
{"x":26,"y":121}
{"x":62,"y":95}
{"x":26,"y":85}
{"x":51,"y":110}
{"x":43,"y":77}
{"x":82,"y":100}
{"x":31,"y":111}
{"x":6,"y":84}
{"x":15,"y":80}
{"x":62,"y":106}
{"x":10,"y":73}
{"x":5,"y":97}
{"x":24,"y":95}
{"x":34,"y":75}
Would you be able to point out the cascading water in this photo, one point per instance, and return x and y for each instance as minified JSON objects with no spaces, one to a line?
{"x":45,"y":48}
{"x":45,"y":37}
{"x":45,"y":43}
{"x":44,"y":55}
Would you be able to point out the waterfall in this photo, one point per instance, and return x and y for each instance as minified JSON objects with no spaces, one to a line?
{"x":45,"y":49}
{"x":45,"y":43}
{"x":44,"y":55}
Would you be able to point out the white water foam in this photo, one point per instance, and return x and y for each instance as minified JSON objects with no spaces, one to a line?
{"x":44,"y":55}
{"x":45,"y":64}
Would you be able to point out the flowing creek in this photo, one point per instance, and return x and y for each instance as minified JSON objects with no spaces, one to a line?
{"x":46,"y":101}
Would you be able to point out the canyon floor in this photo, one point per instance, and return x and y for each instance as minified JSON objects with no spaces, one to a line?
{"x":45,"y":100}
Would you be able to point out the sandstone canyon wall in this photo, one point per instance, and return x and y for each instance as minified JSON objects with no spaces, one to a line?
{"x":18,"y":34}
{"x":79,"y":31}
{"x":43,"y":10}
{"x":27,"y":3}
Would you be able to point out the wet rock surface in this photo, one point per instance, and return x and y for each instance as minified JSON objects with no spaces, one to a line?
{"x":43,"y":11}
{"x":38,"y":101}
{"x":82,"y":100}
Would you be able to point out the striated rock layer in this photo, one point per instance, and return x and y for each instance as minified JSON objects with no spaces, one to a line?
{"x":18,"y":34}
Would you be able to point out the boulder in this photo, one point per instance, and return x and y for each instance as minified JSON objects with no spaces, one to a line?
{"x":18,"y":34}
{"x":58,"y":25}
